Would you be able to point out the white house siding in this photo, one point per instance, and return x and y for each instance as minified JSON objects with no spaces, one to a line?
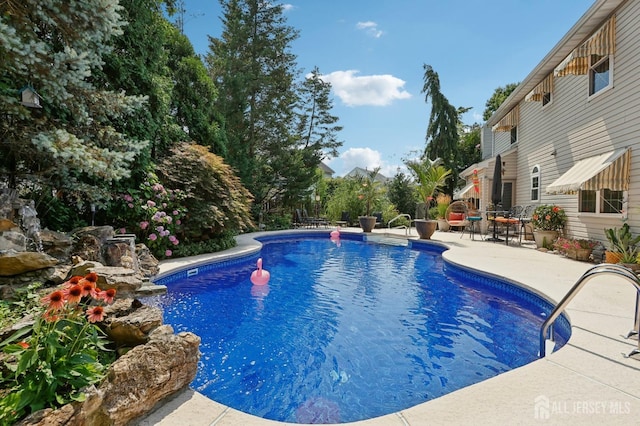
{"x":575,"y":127}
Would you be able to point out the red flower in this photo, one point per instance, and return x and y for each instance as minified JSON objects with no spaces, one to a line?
{"x":556,"y":209}
{"x":72,"y":281}
{"x":88,"y":288}
{"x":92,"y":277}
{"x":95,"y":314}
{"x":49,"y":316}
{"x":74,"y":293}
{"x":24,"y":344}
{"x":55,"y":300}
{"x":108,"y":295}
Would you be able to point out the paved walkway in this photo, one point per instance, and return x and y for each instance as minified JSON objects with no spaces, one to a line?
{"x":589,"y":381}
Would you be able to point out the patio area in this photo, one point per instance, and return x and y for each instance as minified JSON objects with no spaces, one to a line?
{"x":589,"y":381}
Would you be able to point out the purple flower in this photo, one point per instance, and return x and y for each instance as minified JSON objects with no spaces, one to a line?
{"x":144,"y":225}
{"x":151,"y":203}
{"x":168,"y":253}
{"x":128,"y":198}
{"x":153,"y":237}
{"x":175,"y":212}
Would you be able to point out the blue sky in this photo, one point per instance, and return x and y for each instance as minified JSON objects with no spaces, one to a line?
{"x":373,"y":51}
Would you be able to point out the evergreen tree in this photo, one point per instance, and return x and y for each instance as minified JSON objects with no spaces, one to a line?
{"x":443,"y":128}
{"x":55,"y":48}
{"x":498,"y":97}
{"x":254,"y":71}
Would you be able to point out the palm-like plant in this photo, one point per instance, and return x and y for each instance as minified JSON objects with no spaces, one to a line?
{"x":370,"y":189}
{"x":430,"y":175}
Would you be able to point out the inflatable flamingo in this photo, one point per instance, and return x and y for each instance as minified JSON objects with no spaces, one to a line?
{"x":335,"y":233}
{"x":260,"y":276}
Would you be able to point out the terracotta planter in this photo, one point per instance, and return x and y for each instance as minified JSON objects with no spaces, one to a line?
{"x":425,"y":228}
{"x":443,"y":225}
{"x":612,"y":256}
{"x":367,"y":223}
{"x":544,"y":238}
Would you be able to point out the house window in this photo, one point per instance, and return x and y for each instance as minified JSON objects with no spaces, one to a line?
{"x":603,"y":201}
{"x":599,"y":75}
{"x":546,"y":98}
{"x":535,"y":183}
{"x":514,"y":134}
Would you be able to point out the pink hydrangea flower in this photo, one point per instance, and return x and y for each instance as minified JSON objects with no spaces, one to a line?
{"x":168,"y":253}
{"x":144,"y":225}
{"x":153,"y":237}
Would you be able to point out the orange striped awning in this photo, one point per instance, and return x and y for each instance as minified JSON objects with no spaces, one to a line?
{"x":602,"y":43}
{"x":610,"y":170}
{"x":545,"y":86}
{"x":509,"y":121}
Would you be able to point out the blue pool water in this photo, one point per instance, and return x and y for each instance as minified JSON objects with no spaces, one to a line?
{"x":351,"y":331}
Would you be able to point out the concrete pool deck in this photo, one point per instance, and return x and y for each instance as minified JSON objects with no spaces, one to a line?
{"x":588,"y":381}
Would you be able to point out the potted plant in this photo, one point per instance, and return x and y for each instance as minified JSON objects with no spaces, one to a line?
{"x":369,"y":192}
{"x":547,"y":221}
{"x":621,"y":243}
{"x":430,"y":175}
{"x":442,"y":203}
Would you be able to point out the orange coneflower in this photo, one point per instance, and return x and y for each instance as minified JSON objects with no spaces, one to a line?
{"x":55,"y":300}
{"x":95,"y":314}
{"x":108,"y":295}
{"x":88,"y":288}
{"x":92,"y":277}
{"x":72,"y":281}
{"x":74,"y":293}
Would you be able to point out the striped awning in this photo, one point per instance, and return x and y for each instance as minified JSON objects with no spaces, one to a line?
{"x":545,"y":86}
{"x":509,"y":121}
{"x":466,"y":192}
{"x":602,"y":43}
{"x":605,"y":171}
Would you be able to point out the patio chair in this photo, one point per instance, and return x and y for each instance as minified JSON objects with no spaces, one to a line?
{"x":344,"y":219}
{"x":511,"y":219}
{"x":456,"y":215}
{"x":378,"y":216}
{"x":525,"y":222}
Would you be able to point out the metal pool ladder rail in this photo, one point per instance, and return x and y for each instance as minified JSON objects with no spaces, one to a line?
{"x":407,"y":231}
{"x":546,"y":331}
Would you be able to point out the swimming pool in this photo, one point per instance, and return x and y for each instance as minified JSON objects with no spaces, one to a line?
{"x":364,"y":331}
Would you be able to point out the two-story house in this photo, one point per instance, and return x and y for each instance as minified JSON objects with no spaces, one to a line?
{"x":569,"y":134}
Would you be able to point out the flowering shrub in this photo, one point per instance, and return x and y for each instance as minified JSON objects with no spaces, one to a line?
{"x":548,"y":218}
{"x":48,"y":363}
{"x":155,"y":214}
{"x":564,"y":245}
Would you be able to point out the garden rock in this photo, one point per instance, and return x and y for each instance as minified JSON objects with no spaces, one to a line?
{"x":129,"y":323}
{"x":15,"y":263}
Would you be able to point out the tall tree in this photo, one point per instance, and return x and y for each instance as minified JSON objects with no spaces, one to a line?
{"x":55,"y":48}
{"x":498,"y":97}
{"x":443,"y":128}
{"x":253,"y":68}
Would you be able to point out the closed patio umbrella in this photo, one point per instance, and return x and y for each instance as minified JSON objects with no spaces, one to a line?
{"x":496,"y":193}
{"x":496,"y":186}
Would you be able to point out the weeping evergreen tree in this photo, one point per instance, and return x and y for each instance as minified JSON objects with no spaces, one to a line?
{"x":443,"y":128}
{"x":70,"y":146}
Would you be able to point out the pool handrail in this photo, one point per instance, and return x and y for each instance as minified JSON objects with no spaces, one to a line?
{"x":546,"y":330}
{"x":403,"y":226}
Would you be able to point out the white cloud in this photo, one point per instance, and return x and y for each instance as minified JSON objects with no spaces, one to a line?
{"x":287,"y":7}
{"x":376,"y":90}
{"x":370,"y":27}
{"x":365,"y":158}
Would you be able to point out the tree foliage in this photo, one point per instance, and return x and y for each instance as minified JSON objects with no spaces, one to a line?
{"x":253,"y":67}
{"x":55,"y":48}
{"x":498,"y":97}
{"x":213,"y":194}
{"x":278,"y":130}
